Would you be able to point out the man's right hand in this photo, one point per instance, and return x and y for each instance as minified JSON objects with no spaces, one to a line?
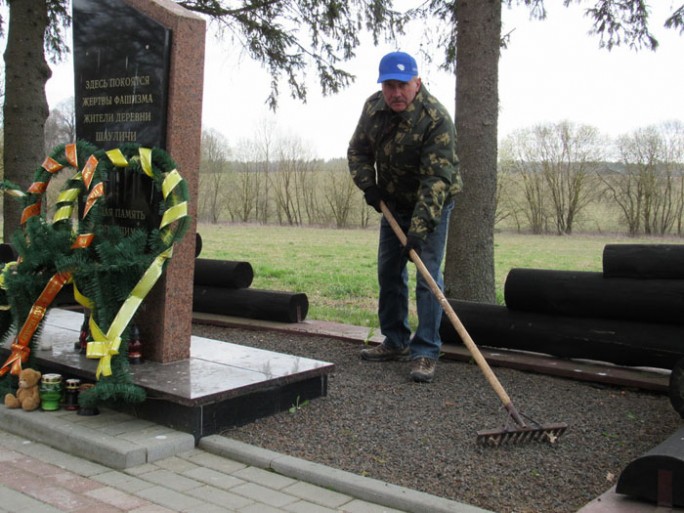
{"x":373,"y":197}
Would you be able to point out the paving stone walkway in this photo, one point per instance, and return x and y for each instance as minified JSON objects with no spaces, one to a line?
{"x":151,"y":469}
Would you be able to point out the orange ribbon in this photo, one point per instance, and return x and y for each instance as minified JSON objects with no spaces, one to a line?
{"x":95,"y":194}
{"x":51,"y":165}
{"x":83,"y":241}
{"x":30,"y":211}
{"x":20,"y":346}
{"x":71,"y":155}
{"x":89,"y":170}
{"x":37,"y":188}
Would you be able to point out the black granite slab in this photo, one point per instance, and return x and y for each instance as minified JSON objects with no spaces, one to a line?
{"x":121,"y":74}
{"x":221,"y":385}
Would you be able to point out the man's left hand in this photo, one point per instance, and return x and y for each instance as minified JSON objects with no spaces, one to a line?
{"x":413,"y":243}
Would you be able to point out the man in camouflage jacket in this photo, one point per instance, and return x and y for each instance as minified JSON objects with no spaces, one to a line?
{"x":403,"y":153}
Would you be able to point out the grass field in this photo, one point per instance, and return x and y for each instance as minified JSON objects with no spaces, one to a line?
{"x":336,"y":268}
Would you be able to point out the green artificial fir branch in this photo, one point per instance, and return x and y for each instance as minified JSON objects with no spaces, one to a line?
{"x":107,"y":270}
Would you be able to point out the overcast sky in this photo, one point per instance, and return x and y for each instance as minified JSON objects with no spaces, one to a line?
{"x":553,"y":70}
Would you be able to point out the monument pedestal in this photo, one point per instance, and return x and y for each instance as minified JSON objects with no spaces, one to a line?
{"x":220,"y":385}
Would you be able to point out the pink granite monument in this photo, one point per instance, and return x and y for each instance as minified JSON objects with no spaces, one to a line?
{"x":145,"y":58}
{"x":168,"y":312}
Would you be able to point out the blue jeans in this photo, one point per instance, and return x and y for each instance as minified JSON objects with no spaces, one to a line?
{"x":393,"y":304}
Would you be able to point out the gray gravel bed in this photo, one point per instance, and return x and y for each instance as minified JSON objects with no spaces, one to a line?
{"x":376,"y":422}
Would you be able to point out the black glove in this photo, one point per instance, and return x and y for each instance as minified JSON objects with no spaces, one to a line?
{"x":414,"y":243}
{"x":373,"y":197}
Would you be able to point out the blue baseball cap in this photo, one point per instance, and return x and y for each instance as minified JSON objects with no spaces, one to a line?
{"x":397,"y":66}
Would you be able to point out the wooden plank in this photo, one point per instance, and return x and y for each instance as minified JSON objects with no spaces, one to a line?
{"x":656,"y":380}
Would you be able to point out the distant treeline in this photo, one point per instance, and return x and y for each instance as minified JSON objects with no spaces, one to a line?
{"x":554,"y":178}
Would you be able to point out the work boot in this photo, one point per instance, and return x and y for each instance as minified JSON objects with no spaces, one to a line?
{"x":423,"y":370}
{"x":384,"y":353}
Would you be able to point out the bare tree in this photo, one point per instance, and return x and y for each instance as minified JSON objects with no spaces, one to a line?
{"x":243,"y":192}
{"x":213,"y":176}
{"x":644,"y":185}
{"x":293,"y":182}
{"x":673,"y":167}
{"x":520,"y":159}
{"x":641,"y":152}
{"x":339,"y":192}
{"x":60,"y":127}
{"x":507,"y":207}
{"x":622,"y":186}
{"x":284,"y":187}
{"x":263,"y":149}
{"x":569,"y":156}
{"x":250,"y":196}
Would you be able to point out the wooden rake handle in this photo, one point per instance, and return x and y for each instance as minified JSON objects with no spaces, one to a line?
{"x":458,"y":325}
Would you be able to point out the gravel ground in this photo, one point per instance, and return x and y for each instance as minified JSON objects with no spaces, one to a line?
{"x":376,"y":422}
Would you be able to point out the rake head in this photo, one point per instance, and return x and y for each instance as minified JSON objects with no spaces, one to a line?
{"x":521,"y":434}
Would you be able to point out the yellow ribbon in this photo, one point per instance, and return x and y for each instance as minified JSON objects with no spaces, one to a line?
{"x":82,"y":300}
{"x":63,"y":213}
{"x":146,"y":161}
{"x":102,"y":347}
{"x":68,"y":195}
{"x":117,"y":157}
{"x":172,"y":179}
{"x":105,"y":346}
{"x":174,"y":213}
{"x":8,"y":266}
{"x":170,"y":182}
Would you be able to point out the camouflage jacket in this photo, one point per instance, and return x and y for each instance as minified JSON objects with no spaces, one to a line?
{"x":409,"y":155}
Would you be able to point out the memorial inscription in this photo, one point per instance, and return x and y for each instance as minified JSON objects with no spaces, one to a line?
{"x":121,"y":67}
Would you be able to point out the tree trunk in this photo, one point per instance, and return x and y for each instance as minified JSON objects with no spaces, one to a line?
{"x":26,"y":108}
{"x":469,"y":267}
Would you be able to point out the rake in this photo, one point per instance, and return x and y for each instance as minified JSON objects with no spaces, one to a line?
{"x":520,"y":429}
